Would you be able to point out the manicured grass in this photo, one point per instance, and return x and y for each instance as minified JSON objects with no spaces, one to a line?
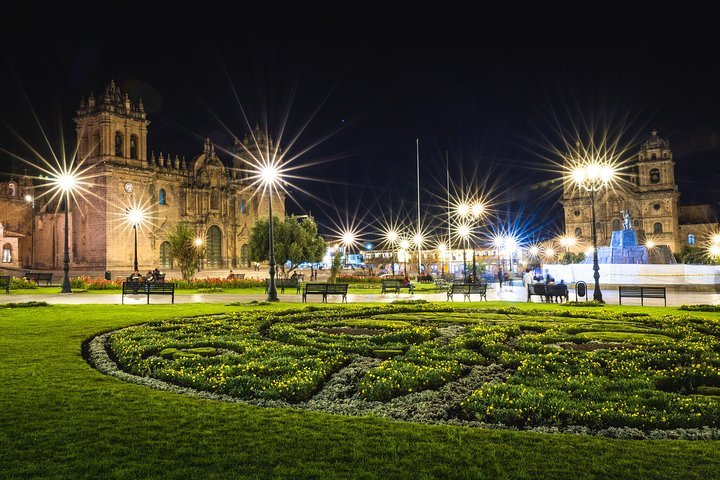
{"x":62,"y":419}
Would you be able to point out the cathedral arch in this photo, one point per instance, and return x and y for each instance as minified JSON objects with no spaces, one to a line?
{"x":242,"y":205}
{"x":119,"y":145}
{"x":7,"y":253}
{"x":12,"y":189}
{"x":244,"y":258}
{"x":616,"y":225}
{"x":162,"y":197}
{"x":578,"y":232}
{"x":214,"y":247}
{"x":657,"y":228}
{"x":165,"y":256}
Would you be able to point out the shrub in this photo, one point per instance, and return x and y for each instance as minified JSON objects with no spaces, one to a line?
{"x":220,"y":283}
{"x":26,"y":304}
{"x":22,"y":283}
{"x":700,"y":308}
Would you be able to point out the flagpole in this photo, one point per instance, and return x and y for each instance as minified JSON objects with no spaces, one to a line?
{"x":449,"y":228}
{"x":417,"y":156}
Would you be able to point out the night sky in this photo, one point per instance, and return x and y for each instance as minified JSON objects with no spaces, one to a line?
{"x":496,"y":94}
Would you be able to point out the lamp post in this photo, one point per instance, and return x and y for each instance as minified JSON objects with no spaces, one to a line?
{"x":418,"y":241}
{"x":135,"y":216}
{"x":31,"y":201}
{"x":199,"y":245}
{"x":66,"y":182}
{"x":442,"y":248}
{"x":464,"y":233}
{"x":592,"y":176}
{"x":391,"y":237}
{"x":269,"y":175}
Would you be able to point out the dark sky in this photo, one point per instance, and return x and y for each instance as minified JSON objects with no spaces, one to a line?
{"x":358,"y":89}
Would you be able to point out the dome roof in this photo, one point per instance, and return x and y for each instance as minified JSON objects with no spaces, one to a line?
{"x":655,"y":142}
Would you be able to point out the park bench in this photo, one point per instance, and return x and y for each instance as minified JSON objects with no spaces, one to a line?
{"x":325,"y":289}
{"x":467,"y":289}
{"x":395,"y":286}
{"x":5,"y":283}
{"x":283,"y":283}
{"x":441,"y":285}
{"x":549,"y":293}
{"x":642,"y":293}
{"x":38,"y":277}
{"x":236,"y":276}
{"x":148,"y":288}
{"x":425,"y":278}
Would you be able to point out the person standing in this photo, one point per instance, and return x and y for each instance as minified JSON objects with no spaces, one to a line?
{"x":528,"y":279}
{"x":501,"y":277}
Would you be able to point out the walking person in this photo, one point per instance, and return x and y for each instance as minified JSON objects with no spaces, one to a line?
{"x":528,"y":279}
{"x":501,"y":277}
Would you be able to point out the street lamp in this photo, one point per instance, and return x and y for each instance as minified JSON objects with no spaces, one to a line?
{"x":31,"y":201}
{"x":269,"y":175}
{"x":135,"y":216}
{"x":418,"y":241}
{"x":66,"y":183}
{"x":199,"y":242}
{"x":391,"y":239}
{"x":592,"y":176}
{"x":567,"y":241}
{"x":347,"y":239}
{"x":464,"y":233}
{"x":442,"y":248}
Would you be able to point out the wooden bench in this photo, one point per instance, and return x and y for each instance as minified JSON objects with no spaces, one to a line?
{"x":236,"y":276}
{"x":467,"y":289}
{"x":38,"y":277}
{"x":642,"y":293}
{"x":395,"y":286}
{"x":325,"y":289}
{"x":148,"y":288}
{"x":549,"y":293}
{"x":5,"y":283}
{"x":282,"y":283}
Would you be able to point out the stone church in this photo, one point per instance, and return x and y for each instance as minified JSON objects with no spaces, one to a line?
{"x":649,"y":192}
{"x":214,"y":195}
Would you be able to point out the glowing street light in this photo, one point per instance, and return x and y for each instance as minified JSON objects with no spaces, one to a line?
{"x":31,"y":202}
{"x":269,"y":177}
{"x":567,"y":241}
{"x":135,"y":216}
{"x":442,"y":249}
{"x":464,"y":233}
{"x":592,"y":175}
{"x":404,"y":247}
{"x":65,"y":182}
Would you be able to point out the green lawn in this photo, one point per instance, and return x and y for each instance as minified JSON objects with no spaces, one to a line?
{"x":62,"y":419}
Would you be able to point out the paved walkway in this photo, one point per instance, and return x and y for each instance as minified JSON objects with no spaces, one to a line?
{"x":676,"y":297}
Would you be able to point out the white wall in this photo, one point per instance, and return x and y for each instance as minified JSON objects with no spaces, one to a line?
{"x":634,"y":274}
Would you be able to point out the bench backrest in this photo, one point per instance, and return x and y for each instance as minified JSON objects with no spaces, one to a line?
{"x":630,"y":291}
{"x":160,"y":287}
{"x":337,"y":288}
{"x":556,"y":289}
{"x":283,"y":282}
{"x":477,"y":288}
{"x":539,"y":289}
{"x":391,"y":283}
{"x":315,"y":287}
{"x":132,"y":286}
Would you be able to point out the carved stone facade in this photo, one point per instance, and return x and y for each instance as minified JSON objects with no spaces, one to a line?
{"x":217,"y":199}
{"x":648,"y":191}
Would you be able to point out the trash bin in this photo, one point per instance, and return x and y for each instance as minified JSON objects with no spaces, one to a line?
{"x":107,"y":275}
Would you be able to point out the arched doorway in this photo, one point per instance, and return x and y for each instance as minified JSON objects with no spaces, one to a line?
{"x":165,"y":257}
{"x":214,"y":247}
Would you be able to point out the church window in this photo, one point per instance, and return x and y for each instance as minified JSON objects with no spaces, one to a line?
{"x":654,"y":156}
{"x":242,"y":206}
{"x":12,"y":189}
{"x":576,"y":213}
{"x":657,"y":228}
{"x":7,"y":253}
{"x":118,"y":145}
{"x":616,"y":225}
{"x":636,"y":222}
{"x":214,"y":200}
{"x":133,"y":147}
{"x":657,"y":206}
{"x":214,"y":247}
{"x":162,"y":197}
{"x":165,"y":256}
{"x":654,"y":175}
{"x":578,"y":232}
{"x":691,"y":239}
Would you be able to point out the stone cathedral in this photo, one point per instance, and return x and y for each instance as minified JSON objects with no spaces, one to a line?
{"x":217,"y":198}
{"x":651,"y":196}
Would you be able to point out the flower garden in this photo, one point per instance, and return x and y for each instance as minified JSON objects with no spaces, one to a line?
{"x":564,"y":370}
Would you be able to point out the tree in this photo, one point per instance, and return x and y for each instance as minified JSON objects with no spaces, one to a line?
{"x":335,"y":267}
{"x":184,"y":250}
{"x":295,"y":241}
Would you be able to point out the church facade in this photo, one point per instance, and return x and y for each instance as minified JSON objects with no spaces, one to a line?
{"x":217,"y":198}
{"x":650,"y":195}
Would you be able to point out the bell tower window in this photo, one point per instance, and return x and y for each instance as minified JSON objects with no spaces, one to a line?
{"x":655,"y":175}
{"x":118,"y":145}
{"x":657,"y":228}
{"x":133,"y":147}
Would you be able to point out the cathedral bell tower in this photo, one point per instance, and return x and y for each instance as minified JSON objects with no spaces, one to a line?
{"x":112,"y":129}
